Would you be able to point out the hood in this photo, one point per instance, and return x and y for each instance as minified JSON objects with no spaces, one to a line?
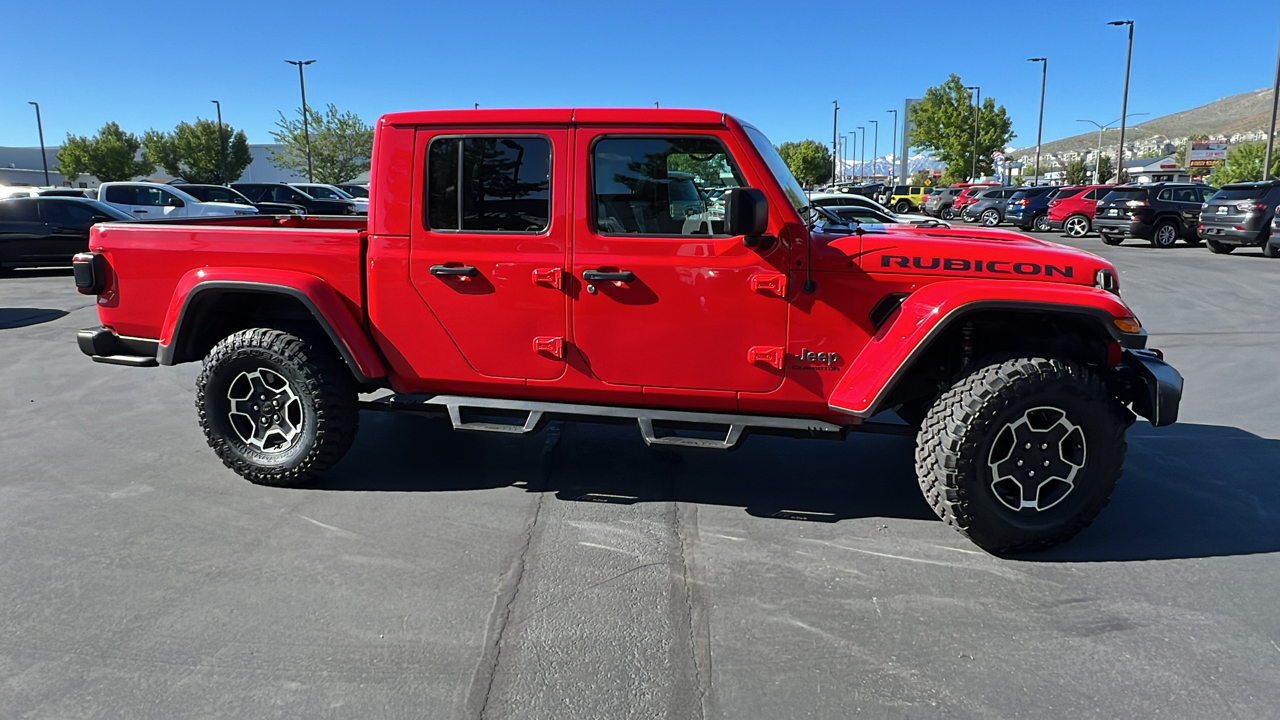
{"x":224,"y":208}
{"x":958,"y":253}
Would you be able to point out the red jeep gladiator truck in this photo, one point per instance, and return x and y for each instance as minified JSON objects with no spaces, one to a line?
{"x":521,"y":265}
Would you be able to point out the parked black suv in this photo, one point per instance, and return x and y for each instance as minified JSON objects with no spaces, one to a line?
{"x":1240,"y":214}
{"x":988,"y":209}
{"x":1028,"y":208}
{"x":284,"y":193}
{"x":938,"y":204}
{"x":222,"y":193}
{"x":1158,"y":212}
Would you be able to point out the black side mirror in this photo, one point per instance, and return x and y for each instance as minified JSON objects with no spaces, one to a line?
{"x":174,"y":202}
{"x":746,"y":212}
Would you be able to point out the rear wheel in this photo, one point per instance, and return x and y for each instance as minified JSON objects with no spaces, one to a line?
{"x":1270,"y":249}
{"x":990,"y":218}
{"x":1220,"y":248}
{"x":276,"y":408}
{"x":1041,"y":223}
{"x":1022,"y":454}
{"x":1165,"y":236}
{"x":948,"y":213}
{"x":902,"y":206}
{"x":1111,"y":239}
{"x":1077,"y":226}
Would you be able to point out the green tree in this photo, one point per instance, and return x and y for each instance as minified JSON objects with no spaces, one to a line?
{"x":1105,"y":171}
{"x":920,"y":177}
{"x":111,"y":155}
{"x":708,"y":172}
{"x":808,"y":160}
{"x":1077,"y":172}
{"x":196,"y":153}
{"x":341,"y":145}
{"x":1243,"y":163}
{"x":944,"y":120}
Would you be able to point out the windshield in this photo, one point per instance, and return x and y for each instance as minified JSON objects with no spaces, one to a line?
{"x":217,"y":194}
{"x":356,"y":191}
{"x":781,"y":173}
{"x":327,"y":193}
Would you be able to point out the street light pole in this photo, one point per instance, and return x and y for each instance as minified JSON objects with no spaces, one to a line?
{"x":306,"y":133}
{"x":222,"y":147}
{"x":862,"y":156}
{"x":45,"y":159}
{"x":844,"y":152}
{"x":835,"y":150}
{"x":1271,"y":135}
{"x":875,"y":149}
{"x":1101,"y":128}
{"x":1044,"y":77}
{"x":896,"y":174}
{"x":1124,"y":105}
{"x":977,"y":110}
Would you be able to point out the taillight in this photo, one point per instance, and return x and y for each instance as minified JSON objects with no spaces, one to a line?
{"x":1019,"y":202}
{"x":1136,"y":203}
{"x":1250,"y":206}
{"x":1054,"y":203}
{"x":90,"y":272}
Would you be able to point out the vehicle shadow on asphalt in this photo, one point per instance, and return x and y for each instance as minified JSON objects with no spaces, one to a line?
{"x":1188,"y":490}
{"x":11,"y":318}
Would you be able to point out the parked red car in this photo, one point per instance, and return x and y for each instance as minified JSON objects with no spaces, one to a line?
{"x":968,"y":196}
{"x":1071,"y":210}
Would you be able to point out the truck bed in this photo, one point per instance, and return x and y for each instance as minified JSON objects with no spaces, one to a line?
{"x":154,"y":258}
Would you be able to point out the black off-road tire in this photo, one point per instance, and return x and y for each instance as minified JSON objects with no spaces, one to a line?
{"x":903,"y":207}
{"x":957,"y":442}
{"x":1218,"y":248}
{"x":326,"y":409}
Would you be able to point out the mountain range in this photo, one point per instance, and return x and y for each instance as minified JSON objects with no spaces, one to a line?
{"x":1243,"y":113}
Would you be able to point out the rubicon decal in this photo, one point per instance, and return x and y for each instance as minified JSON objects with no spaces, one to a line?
{"x":986,"y":267}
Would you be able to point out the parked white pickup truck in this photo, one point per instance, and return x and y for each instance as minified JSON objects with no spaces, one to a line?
{"x":154,"y":201}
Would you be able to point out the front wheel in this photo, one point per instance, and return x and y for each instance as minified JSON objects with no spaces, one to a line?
{"x":990,"y":218}
{"x":1022,"y":455}
{"x":276,"y":408}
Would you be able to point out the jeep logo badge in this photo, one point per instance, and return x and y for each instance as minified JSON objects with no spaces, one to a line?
{"x":806,"y":355}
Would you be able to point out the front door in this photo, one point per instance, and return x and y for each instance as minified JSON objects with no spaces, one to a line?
{"x":663,"y":297}
{"x":489,"y":245}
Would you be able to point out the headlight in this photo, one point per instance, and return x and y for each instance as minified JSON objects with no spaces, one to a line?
{"x":1107,"y":280}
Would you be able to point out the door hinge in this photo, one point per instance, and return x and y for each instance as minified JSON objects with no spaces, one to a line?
{"x":553,"y":277}
{"x":553,"y":346}
{"x":770,"y":283}
{"x":765,"y":354}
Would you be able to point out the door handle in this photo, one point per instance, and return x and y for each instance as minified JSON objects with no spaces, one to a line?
{"x":625,"y":276}
{"x":463,"y":271}
{"x":139,"y":211}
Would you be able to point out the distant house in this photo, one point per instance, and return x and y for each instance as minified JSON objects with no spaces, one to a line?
{"x":1150,"y":170}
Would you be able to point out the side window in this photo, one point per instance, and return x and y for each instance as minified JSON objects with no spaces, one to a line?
{"x":1094,"y":194}
{"x":122,"y":195}
{"x":655,"y":185}
{"x":489,"y":183}
{"x":286,"y":195}
{"x":1165,"y":194}
{"x":150,"y":197}
{"x":1187,"y":195}
{"x":54,"y":212}
{"x":1208,"y":192}
{"x":20,"y":211}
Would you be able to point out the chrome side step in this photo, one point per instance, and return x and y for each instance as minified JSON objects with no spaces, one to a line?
{"x":733,"y":426}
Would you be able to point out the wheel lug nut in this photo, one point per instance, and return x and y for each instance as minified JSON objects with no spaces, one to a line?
{"x":1019,"y":462}
{"x":1031,"y":473}
{"x":1046,"y":463}
{"x":1044,"y":446}
{"x":1027,"y":446}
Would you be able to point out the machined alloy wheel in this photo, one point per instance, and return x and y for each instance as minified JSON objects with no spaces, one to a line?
{"x":990,"y":218}
{"x":1076,"y":226}
{"x":277,"y":407}
{"x":1166,"y":236}
{"x":1022,"y":454}
{"x":1041,"y":223}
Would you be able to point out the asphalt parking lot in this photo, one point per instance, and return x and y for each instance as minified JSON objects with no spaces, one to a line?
{"x":578,"y":574}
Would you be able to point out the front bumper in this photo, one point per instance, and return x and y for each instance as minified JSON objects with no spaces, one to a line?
{"x":103,"y":345}
{"x":1152,"y":386}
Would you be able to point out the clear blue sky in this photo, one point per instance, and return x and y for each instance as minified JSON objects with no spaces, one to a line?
{"x":776,"y":64}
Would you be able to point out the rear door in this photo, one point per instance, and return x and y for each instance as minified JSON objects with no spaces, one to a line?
{"x":125,"y":197}
{"x":22,"y":232}
{"x":489,"y":245}
{"x":663,"y":300}
{"x":1188,"y":201}
{"x":67,"y":224}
